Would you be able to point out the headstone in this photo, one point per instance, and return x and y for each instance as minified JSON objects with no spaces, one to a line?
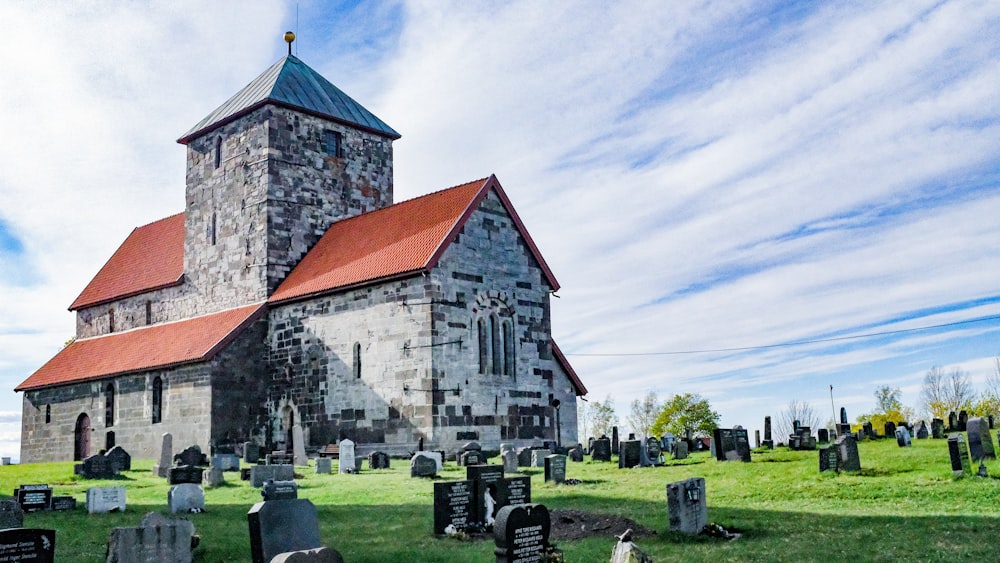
{"x":513,"y":490}
{"x":156,"y":539}
{"x":555,"y":468}
{"x":980,"y":440}
{"x":212,"y":477}
{"x":347,"y":464}
{"x":847,"y":450}
{"x":890,"y":429}
{"x":713,"y":447}
{"x":279,"y":490}
{"x":251,"y":452}
{"x":62,"y":503}
{"x":162,"y":469}
{"x":120,"y":459}
{"x":484,"y":479}
{"x":279,"y":458}
{"x":185,"y":474}
{"x":324,"y":466}
{"x":299,"y":447}
{"x":378,"y":460}
{"x":922,"y":431}
{"x":625,"y":551}
{"x":186,"y":497}
{"x":28,"y":544}
{"x":105,"y":499}
{"x":11,"y":515}
{"x":192,"y":455}
{"x":959,"y":452}
{"x":680,"y":449}
{"x":963,"y":419}
{"x":868,"y":430}
{"x":990,"y":420}
{"x":629,"y":453}
{"x":756,"y":437}
{"x":318,"y":555}
{"x":259,"y":474}
{"x":97,"y":466}
{"x":601,"y":450}
{"x":509,"y":458}
{"x":472,"y":457}
{"x":667,"y":441}
{"x":33,"y":498}
{"x":743,"y":444}
{"x":453,"y":505}
{"x":822,"y":435}
{"x":576,"y":453}
{"x":281,"y":526}
{"x":902,"y":437}
{"x":843,"y":429}
{"x":687,"y":508}
{"x":423,"y":465}
{"x":521,"y":533}
{"x":937,"y":429}
{"x":829,"y":459}
{"x":952,"y":422}
{"x":226,"y":462}
{"x":614,"y":439}
{"x":538,"y":457}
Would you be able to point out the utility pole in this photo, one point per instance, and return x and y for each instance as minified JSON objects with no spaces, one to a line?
{"x":833,"y":409}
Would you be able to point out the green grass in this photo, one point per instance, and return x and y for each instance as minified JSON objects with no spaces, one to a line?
{"x":903,"y":506}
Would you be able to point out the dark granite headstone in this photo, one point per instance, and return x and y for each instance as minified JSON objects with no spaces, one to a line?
{"x":601,"y":450}
{"x":521,"y":533}
{"x":280,"y":526}
{"x":251,"y":452}
{"x":980,"y":440}
{"x":963,"y":419}
{"x":822,"y":435}
{"x":378,"y":460}
{"x":555,"y":468}
{"x":279,"y":458}
{"x":725,"y":444}
{"x":829,"y":459}
{"x":843,"y":429}
{"x":990,"y":420}
{"x":471,"y":457}
{"x":279,"y":490}
{"x":959,"y":452}
{"x":453,"y":505}
{"x":743,"y":444}
{"x":952,"y":422}
{"x":680,"y":449}
{"x":869,"y":430}
{"x":513,"y":490}
{"x":63,"y":503}
{"x":614,"y":439}
{"x":185,"y":474}
{"x":654,"y":451}
{"x":97,"y":466}
{"x":767,"y":429}
{"x":843,"y":415}
{"x":484,"y":480}
{"x":120,"y":459}
{"x":890,"y":429}
{"x":629,"y":453}
{"x":847,"y":450}
{"x":28,"y":544}
{"x":11,"y":515}
{"x":33,"y":498}
{"x":922,"y":431}
{"x":191,"y":456}
{"x":937,"y":428}
{"x":576,"y":453}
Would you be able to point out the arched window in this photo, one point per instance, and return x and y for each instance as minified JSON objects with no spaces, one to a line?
{"x":218,"y":152}
{"x":48,"y":414}
{"x":357,"y":360}
{"x":111,"y":320}
{"x":484,"y":347}
{"x":496,"y":347}
{"x":109,"y":405}
{"x":157,"y":399}
{"x":508,"y":348}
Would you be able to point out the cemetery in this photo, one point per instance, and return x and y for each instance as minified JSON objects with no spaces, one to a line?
{"x":781,"y":504}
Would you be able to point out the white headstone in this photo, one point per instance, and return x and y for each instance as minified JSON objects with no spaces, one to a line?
{"x":186,"y":497}
{"x":212,"y":477}
{"x":299,"y":447}
{"x":347,"y":463}
{"x":162,"y":469}
{"x":105,"y":499}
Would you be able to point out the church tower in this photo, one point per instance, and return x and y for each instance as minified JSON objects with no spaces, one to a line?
{"x":268,"y":172}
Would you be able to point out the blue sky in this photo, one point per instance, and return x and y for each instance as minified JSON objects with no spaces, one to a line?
{"x":699,"y":176}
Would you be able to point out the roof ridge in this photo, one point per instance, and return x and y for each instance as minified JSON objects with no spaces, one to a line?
{"x":160,"y":220}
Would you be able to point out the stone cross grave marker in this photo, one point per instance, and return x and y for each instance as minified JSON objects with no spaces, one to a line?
{"x":687,"y":508}
{"x":11,"y":515}
{"x":191,"y":455}
{"x":484,"y":479}
{"x":601,"y":450}
{"x":453,"y":505}
{"x":186,"y":497}
{"x":280,"y":526}
{"x":347,"y":463}
{"x":521,"y":533}
{"x":959,"y":452}
{"x":105,"y":499}
{"x":555,"y":468}
{"x":629,"y":453}
{"x":980,"y":440}
{"x":162,"y":468}
{"x":28,"y":544}
{"x":33,"y":498}
{"x":120,"y":459}
{"x":902,"y":437}
{"x":298,"y":447}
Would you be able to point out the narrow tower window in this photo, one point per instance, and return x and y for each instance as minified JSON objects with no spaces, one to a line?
{"x":109,"y":405}
{"x":149,"y":312}
{"x":111,"y":320}
{"x":357,"y":360}
{"x":48,"y":414}
{"x":157,"y":399}
{"x":484,"y":347}
{"x":496,"y":346}
{"x":218,"y":152}
{"x":211,"y":228}
{"x":508,"y":349}
{"x":331,"y":142}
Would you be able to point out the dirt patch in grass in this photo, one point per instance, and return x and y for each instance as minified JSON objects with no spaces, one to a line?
{"x":577,"y":524}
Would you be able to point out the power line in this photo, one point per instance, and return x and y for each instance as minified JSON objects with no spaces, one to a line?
{"x":797,"y":343}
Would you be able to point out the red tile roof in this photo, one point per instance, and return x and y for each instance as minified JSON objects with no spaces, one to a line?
{"x":153,"y":347}
{"x":152,"y":257}
{"x":396,"y":241}
{"x":573,"y":377}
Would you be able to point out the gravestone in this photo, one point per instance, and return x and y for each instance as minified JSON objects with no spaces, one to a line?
{"x":667,"y":441}
{"x":33,"y":498}
{"x":843,"y":429}
{"x":185,"y":474}
{"x":28,"y":544}
{"x":513,"y":490}
{"x":822,"y":435}
{"x":959,"y":452}
{"x":279,"y":458}
{"x":120,"y":459}
{"x":423,"y":465}
{"x":11,"y":515}
{"x":725,"y":444}
{"x":226,"y":462}
{"x":191,"y":455}
{"x":186,"y":497}
{"x":629,"y":453}
{"x":62,"y":503}
{"x":279,"y":490}
{"x":922,"y":431}
{"x":521,"y":533}
{"x":555,"y":468}
{"x":484,"y":479}
{"x":829,"y":459}
{"x":324,"y":466}
{"x":105,"y":499}
{"x":538,"y":457}
{"x":472,"y":457}
{"x":453,"y":505}
{"x":509,"y":458}
{"x":378,"y":460}
{"x":767,"y":431}
{"x":156,"y":539}
{"x":614,"y":439}
{"x":937,"y":428}
{"x":251,"y":452}
{"x":162,"y":468}
{"x":687,"y":508}
{"x":795,"y":426}
{"x":952,"y":422}
{"x":990,"y":420}
{"x":980,"y":440}
{"x":318,"y":555}
{"x":680,"y":449}
{"x":963,"y":420}
{"x":281,"y":526}
{"x":299,"y":447}
{"x":259,"y":474}
{"x":743,"y":444}
{"x":601,"y":450}
{"x":654,"y":451}
{"x":902,"y":437}
{"x":890,"y":429}
{"x":576,"y":453}
{"x":97,"y":466}
{"x":212,"y":477}
{"x":843,"y":415}
{"x":869,"y":430}
{"x":847,"y":451}
{"x":347,"y":463}
{"x":756,"y":438}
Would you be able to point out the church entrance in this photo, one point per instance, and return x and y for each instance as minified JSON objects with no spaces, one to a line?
{"x":81,"y":438}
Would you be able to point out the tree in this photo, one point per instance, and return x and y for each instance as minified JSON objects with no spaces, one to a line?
{"x":643,"y":414}
{"x":944,"y":392}
{"x":989,"y":400}
{"x":888,"y":408}
{"x":685,"y":412}
{"x":800,"y":411}
{"x":582,"y":419}
{"x":602,"y":417}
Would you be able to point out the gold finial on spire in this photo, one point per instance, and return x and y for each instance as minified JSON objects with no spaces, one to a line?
{"x":289,"y":38}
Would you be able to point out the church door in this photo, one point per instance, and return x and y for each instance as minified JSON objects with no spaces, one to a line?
{"x":81,"y":438}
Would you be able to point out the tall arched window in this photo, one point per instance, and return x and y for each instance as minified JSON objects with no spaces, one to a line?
{"x":48,"y":414}
{"x":109,"y":405}
{"x":357,"y":360}
{"x":508,"y":348}
{"x":484,"y":347}
{"x":218,"y":152}
{"x":495,"y":345}
{"x":157,"y":399}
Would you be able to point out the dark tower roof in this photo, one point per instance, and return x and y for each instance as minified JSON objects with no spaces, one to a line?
{"x":292,"y":84}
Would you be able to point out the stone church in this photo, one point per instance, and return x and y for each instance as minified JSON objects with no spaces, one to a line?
{"x":292,"y":290}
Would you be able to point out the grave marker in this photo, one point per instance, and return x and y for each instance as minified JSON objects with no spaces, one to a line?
{"x":251,"y":452}
{"x":601,"y":450}
{"x":105,"y":499}
{"x":963,"y":420}
{"x":423,"y":465}
{"x":922,"y":431}
{"x":11,"y":515}
{"x":822,"y":435}
{"x":226,"y":462}
{"x":186,"y":497}
{"x":378,"y":460}
{"x":212,"y":477}
{"x":453,"y":505}
{"x":980,"y":440}
{"x":629,"y":453}
{"x":521,"y":533}
{"x":902,"y":437}
{"x":279,"y":490}
{"x":513,"y":490}
{"x":299,"y":447}
{"x":28,"y":544}
{"x":280,"y":526}
{"x":120,"y":459}
{"x":829,"y":459}
{"x":157,"y":538}
{"x":62,"y":503}
{"x":484,"y":479}
{"x":538,"y":457}
{"x":185,"y":474}
{"x":162,"y":468}
{"x":847,"y":452}
{"x":959,"y":452}
{"x":555,"y":468}
{"x":33,"y":498}
{"x":324,"y":466}
{"x":654,"y":451}
{"x":680,"y":449}
{"x":687,"y":508}
{"x":347,"y":463}
{"x":259,"y":474}
{"x":192,"y":455}
{"x":97,"y":466}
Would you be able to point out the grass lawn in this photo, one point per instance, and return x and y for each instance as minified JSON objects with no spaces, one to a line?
{"x":903,"y":506}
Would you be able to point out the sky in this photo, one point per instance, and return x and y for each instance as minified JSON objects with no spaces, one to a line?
{"x":716,"y":186}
